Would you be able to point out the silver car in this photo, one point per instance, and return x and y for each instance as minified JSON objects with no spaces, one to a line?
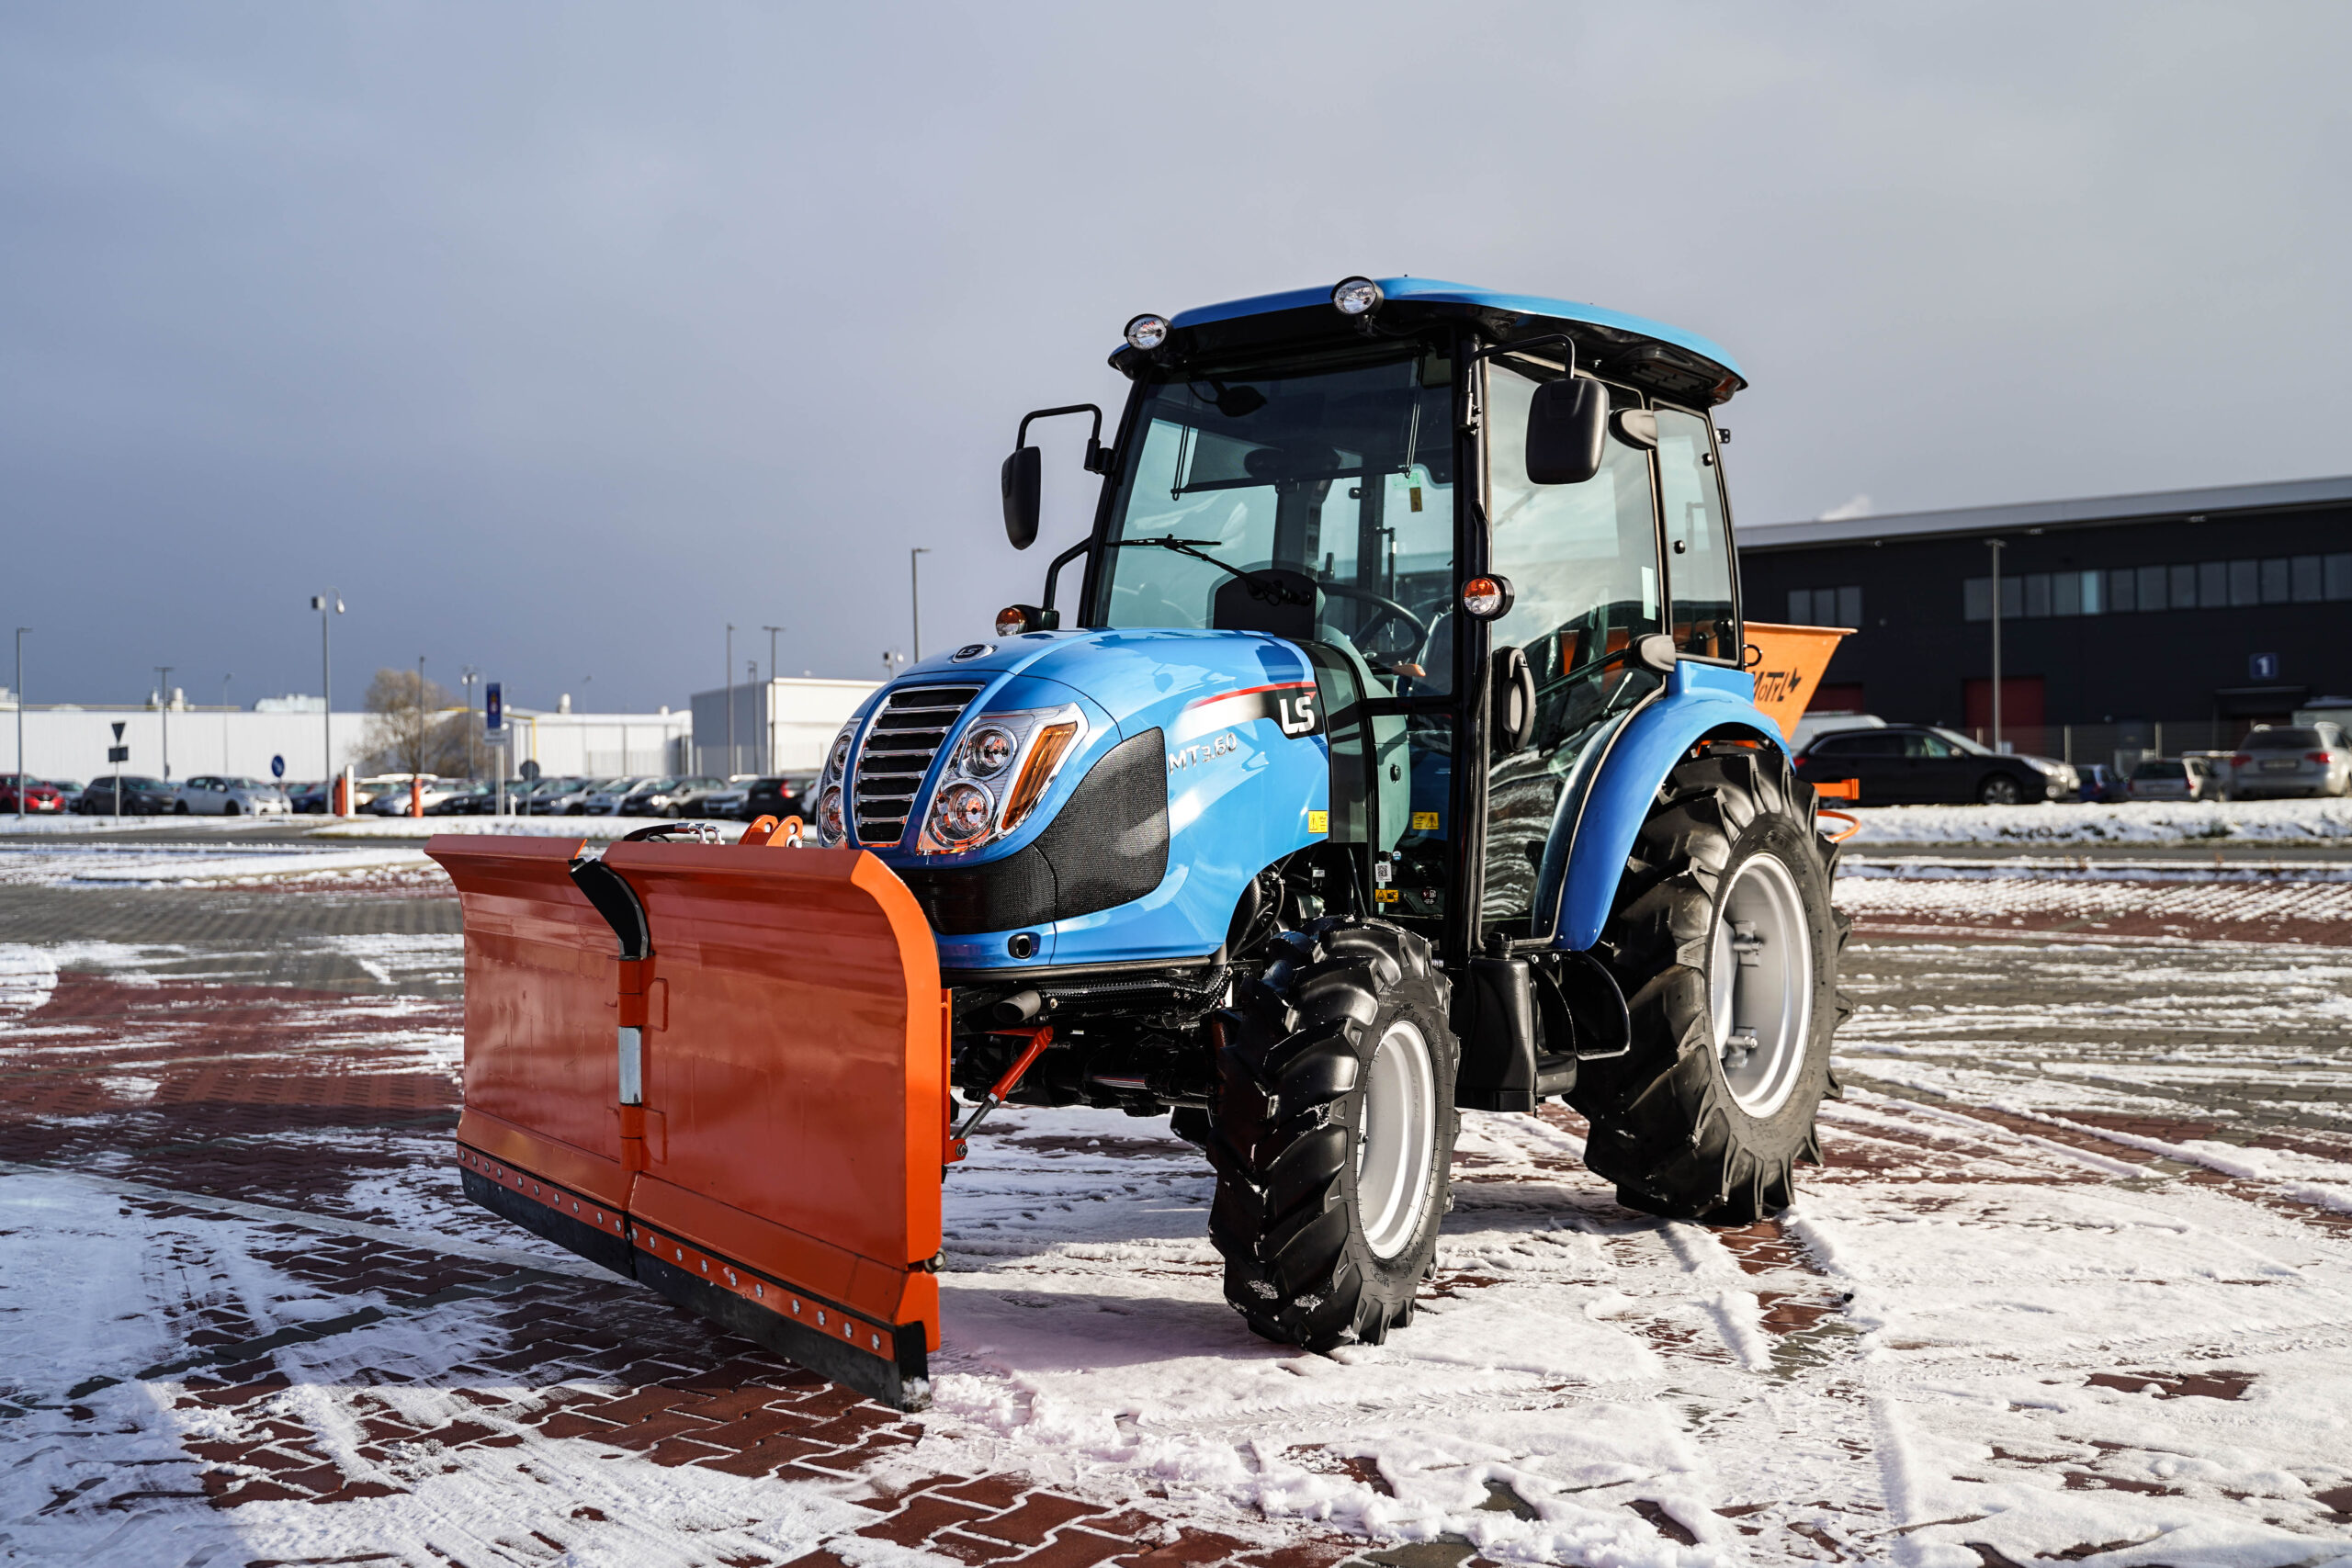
{"x":2176,"y":778}
{"x":606,"y":799}
{"x":2292,"y":759}
{"x":215,"y":795}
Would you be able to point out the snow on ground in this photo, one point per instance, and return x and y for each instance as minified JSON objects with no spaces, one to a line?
{"x":210,"y":865}
{"x":2023,"y":892}
{"x":532,"y":827}
{"x":2135,"y":821}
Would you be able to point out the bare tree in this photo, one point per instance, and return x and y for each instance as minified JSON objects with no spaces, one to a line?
{"x":414,"y":727}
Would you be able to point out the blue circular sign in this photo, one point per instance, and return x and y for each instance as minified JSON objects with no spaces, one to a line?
{"x":277,"y":767}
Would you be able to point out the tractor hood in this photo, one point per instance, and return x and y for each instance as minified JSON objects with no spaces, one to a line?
{"x":1212,"y":741}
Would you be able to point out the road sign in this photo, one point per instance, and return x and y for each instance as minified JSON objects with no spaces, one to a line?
{"x":117,"y":754}
{"x":118,"y":729}
{"x":2262,"y":667}
{"x":494,"y":707}
{"x":530,"y":768}
{"x":277,"y":767}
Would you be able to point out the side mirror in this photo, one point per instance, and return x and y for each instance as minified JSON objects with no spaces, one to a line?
{"x":1568,"y":432}
{"x":1021,"y":481}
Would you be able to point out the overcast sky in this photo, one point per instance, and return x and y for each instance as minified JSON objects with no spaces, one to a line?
{"x":557,"y":337}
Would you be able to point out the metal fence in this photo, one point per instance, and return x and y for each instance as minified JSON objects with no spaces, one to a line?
{"x":2117,"y":745}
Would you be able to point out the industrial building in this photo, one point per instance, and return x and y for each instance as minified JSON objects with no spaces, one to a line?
{"x":2171,"y":621}
{"x":771,"y":727}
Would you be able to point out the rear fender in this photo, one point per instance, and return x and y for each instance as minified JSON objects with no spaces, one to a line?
{"x":1597,"y":822}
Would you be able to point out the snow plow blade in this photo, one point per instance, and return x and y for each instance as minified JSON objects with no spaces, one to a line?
{"x":721,"y":1070}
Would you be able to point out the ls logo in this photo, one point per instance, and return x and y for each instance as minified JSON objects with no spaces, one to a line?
{"x":1296,"y":714}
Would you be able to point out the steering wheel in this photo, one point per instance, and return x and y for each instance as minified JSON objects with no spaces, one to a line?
{"x":1385,"y":611}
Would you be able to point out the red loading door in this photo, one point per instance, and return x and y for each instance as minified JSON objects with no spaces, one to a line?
{"x":796,"y":1069}
{"x":542,"y":1069}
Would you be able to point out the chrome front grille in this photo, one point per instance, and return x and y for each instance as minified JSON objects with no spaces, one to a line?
{"x":906,"y":734}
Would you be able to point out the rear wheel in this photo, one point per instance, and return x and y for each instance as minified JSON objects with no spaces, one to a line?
{"x":1333,"y":1133}
{"x":180,"y":809}
{"x":1727,"y":947}
{"x":1999,"y":789}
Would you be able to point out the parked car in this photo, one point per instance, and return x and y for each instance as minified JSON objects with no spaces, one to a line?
{"x":40,"y":799}
{"x":2176,"y":778}
{"x":1921,"y":764}
{"x":780,"y":794}
{"x":1812,"y":726}
{"x":392,"y":795}
{"x":133,"y":794}
{"x":69,"y":788}
{"x":670,"y":797}
{"x":467,"y":798}
{"x":606,"y":799}
{"x":2101,"y":784}
{"x":217,"y":794}
{"x":2290,"y":760}
{"x":568,"y":799}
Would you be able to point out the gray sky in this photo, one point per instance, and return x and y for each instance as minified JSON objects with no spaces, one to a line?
{"x":557,"y":336}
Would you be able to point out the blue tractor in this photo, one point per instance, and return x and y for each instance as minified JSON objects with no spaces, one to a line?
{"x":1399,"y":752}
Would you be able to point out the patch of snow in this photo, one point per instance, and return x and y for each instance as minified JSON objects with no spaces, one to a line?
{"x":2134,"y":821}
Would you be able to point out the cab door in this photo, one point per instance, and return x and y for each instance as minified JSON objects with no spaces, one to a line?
{"x":1582,"y":561}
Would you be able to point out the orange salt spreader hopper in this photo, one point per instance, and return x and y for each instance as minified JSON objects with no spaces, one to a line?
{"x":1787,"y":666}
{"x":628,"y":1094}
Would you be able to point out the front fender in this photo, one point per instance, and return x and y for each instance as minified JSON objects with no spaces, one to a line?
{"x":1598,"y":824}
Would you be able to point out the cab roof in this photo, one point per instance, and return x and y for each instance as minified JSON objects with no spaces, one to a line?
{"x":1610,"y":343}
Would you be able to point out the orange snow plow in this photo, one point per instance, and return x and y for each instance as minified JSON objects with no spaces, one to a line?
{"x":721,"y":1070}
{"x":1789,"y":662}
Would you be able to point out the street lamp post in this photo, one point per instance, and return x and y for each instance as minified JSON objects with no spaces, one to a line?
{"x":1995,"y":545}
{"x":914,"y":593}
{"x":767,"y":710}
{"x":20,"y":722}
{"x":730,"y":700}
{"x":417,"y":765}
{"x":164,"y":714}
{"x":467,"y":674}
{"x":225,"y":720}
{"x":327,"y":604}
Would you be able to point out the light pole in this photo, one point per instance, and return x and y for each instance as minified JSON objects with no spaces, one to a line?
{"x":467,"y":674}
{"x":224,"y":719}
{"x":730,"y":700}
{"x":20,"y":722}
{"x":328,"y":604}
{"x":914,"y":593}
{"x":164,"y":714}
{"x":418,"y":765}
{"x":1995,"y":545}
{"x":767,"y":708}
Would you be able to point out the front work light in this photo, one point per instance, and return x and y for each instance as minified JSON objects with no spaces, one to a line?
{"x":1146,"y":332}
{"x":1485,"y":598}
{"x":961,"y":813}
{"x":1357,"y":297}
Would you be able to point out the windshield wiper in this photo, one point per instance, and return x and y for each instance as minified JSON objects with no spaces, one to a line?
{"x":1265,"y":589}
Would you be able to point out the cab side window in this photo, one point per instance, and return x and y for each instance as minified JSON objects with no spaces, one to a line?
{"x":1699,"y":565}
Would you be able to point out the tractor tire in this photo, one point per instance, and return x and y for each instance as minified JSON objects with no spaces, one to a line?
{"x":1724,"y":943}
{"x":1333,"y":1133}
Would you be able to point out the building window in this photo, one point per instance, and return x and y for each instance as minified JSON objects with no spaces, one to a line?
{"x":2212,"y":584}
{"x":2308,"y":583}
{"x":1828,"y":607}
{"x":2152,"y":587}
{"x":1977,"y":599}
{"x":2184,"y":587}
{"x":1800,"y":606}
{"x":2245,"y":582}
{"x":2120,"y":599}
{"x":2339,"y":577}
{"x":2273,"y":582}
{"x":1850,"y":607}
{"x":2037,"y":595}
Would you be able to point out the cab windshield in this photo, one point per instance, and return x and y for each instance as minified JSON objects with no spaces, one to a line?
{"x":1340,"y":471}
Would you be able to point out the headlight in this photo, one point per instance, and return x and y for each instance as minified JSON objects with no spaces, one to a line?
{"x":829,"y":828}
{"x":988,"y":752}
{"x":1018,"y":755}
{"x":1146,"y":332}
{"x":1356,"y":296}
{"x":961,"y":813}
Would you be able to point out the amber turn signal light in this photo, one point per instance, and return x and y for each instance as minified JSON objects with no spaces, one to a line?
{"x":1485,"y":598}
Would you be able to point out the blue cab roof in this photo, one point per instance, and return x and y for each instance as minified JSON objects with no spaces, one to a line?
{"x":1430,"y":290}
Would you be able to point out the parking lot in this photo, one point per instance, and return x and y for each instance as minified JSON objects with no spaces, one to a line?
{"x":2074,"y":1283}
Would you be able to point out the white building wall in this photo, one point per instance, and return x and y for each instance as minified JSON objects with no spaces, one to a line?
{"x":781,"y":725}
{"x":71,"y":743}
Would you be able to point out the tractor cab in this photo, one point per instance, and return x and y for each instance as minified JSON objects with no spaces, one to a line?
{"x":1495,"y":522}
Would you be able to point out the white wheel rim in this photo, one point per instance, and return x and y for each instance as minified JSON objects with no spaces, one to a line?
{"x":1393,"y":1143}
{"x":1759,"y":979}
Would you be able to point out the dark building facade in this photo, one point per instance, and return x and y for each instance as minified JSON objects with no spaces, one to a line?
{"x":2207,"y":611}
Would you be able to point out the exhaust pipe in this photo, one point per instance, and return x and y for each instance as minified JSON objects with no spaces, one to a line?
{"x":1016,"y":1009}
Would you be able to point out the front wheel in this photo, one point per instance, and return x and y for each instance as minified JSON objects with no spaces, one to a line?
{"x":1999,"y":789}
{"x":1724,"y":943}
{"x":228,"y":809}
{"x":1333,"y":1133}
